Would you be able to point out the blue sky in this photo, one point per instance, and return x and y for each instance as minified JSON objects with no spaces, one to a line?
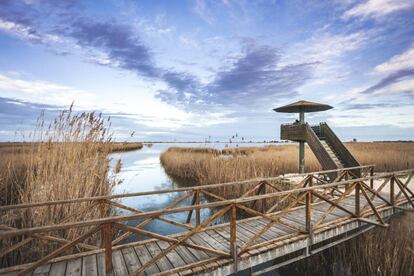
{"x":188,"y":70}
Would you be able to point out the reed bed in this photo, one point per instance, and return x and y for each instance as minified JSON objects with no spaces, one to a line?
{"x":381,"y":251}
{"x":200,"y":166}
{"x":66,"y":159}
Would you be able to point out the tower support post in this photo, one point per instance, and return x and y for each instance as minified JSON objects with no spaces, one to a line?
{"x":302,"y":146}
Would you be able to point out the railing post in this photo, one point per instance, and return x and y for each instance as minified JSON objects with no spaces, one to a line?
{"x":357,"y":199}
{"x":106,"y":242}
{"x":197,"y":202}
{"x":309,"y":229}
{"x":310,"y":185}
{"x":392,"y":191}
{"x":233,"y":243}
{"x":371,"y":181}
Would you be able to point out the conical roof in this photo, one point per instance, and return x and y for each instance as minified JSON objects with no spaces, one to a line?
{"x":303,"y":106}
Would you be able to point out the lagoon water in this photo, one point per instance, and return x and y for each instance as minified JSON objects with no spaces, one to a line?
{"x":141,"y":171}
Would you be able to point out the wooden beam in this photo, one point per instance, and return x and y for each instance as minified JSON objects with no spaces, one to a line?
{"x":372,"y":206}
{"x":233,"y":233}
{"x":57,"y":252}
{"x":106,"y":235}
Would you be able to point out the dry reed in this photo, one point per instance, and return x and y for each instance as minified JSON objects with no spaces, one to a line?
{"x":67,"y":159}
{"x":198,"y":166}
{"x":388,"y":251}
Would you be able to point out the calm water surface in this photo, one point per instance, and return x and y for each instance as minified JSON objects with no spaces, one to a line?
{"x":141,"y":171}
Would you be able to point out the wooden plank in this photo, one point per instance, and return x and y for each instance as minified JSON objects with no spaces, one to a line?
{"x":131,"y":259}
{"x":173,"y":256}
{"x":257,"y":227}
{"x":144,"y":257}
{"x":175,"y":259}
{"x":42,"y":270}
{"x":100,"y":258}
{"x":154,"y":250}
{"x":119,"y":265}
{"x":225,"y":242}
{"x":300,"y":222}
{"x":196,"y":239}
{"x":74,"y":267}
{"x":199,"y":254}
{"x":277,"y":230}
{"x":250,"y":230}
{"x":89,"y":266}
{"x":58,"y":269}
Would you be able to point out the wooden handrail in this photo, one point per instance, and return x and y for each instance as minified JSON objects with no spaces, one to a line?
{"x":344,"y":185}
{"x":155,"y":213}
{"x":176,"y":190}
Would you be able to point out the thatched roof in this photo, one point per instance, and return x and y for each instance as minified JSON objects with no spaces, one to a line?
{"x":303,"y":106}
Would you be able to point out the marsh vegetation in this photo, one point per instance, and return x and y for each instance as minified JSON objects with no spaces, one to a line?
{"x":199,"y":166}
{"x":65,"y":159}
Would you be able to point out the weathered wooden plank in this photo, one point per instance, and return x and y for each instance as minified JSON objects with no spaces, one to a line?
{"x":100,"y":264}
{"x":42,"y":270}
{"x":257,"y":227}
{"x":131,"y":259}
{"x":89,"y":266}
{"x":198,"y":240}
{"x":297,"y":221}
{"x":217,"y":240}
{"x":251,"y":230}
{"x":175,"y":259}
{"x":163,"y":263}
{"x":144,"y":257}
{"x":119,"y":265}
{"x":276,"y":230}
{"x":58,"y":269}
{"x":199,"y":253}
{"x":74,"y":267}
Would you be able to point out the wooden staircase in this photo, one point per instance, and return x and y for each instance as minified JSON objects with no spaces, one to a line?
{"x":327,"y":147}
{"x":333,"y":146}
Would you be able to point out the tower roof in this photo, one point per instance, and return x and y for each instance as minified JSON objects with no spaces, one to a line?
{"x":303,"y":106}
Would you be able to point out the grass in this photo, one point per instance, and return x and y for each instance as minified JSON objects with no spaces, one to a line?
{"x":206,"y":165}
{"x":65,"y":159}
{"x":381,"y":251}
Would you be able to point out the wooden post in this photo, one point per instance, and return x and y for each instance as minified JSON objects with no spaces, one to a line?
{"x":197,"y":201}
{"x":310,"y":185}
{"x":193,"y":202}
{"x":233,"y":243}
{"x":309,"y":220}
{"x":371,"y":181}
{"x":106,"y":236}
{"x":392,"y":190}
{"x":357,"y":199}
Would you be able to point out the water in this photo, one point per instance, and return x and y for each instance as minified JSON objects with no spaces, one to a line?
{"x":141,"y":171}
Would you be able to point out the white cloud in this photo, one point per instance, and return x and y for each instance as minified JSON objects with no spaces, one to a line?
{"x":42,"y":91}
{"x":201,"y":9}
{"x":141,"y":108}
{"x":188,"y":42}
{"x":398,"y":62}
{"x":378,"y":8}
{"x":329,"y":50}
{"x":25,"y":32}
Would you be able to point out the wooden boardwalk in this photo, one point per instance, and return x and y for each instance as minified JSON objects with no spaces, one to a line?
{"x":316,"y":220}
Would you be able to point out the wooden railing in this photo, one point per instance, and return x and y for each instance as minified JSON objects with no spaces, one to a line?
{"x":319,"y":151}
{"x":313,"y":189}
{"x":340,"y":148}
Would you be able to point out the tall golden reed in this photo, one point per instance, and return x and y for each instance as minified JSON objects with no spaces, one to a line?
{"x":67,"y":159}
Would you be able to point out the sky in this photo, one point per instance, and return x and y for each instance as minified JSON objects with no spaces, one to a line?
{"x":190,"y":70}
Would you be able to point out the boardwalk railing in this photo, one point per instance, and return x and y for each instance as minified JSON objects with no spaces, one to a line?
{"x":312,"y":189}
